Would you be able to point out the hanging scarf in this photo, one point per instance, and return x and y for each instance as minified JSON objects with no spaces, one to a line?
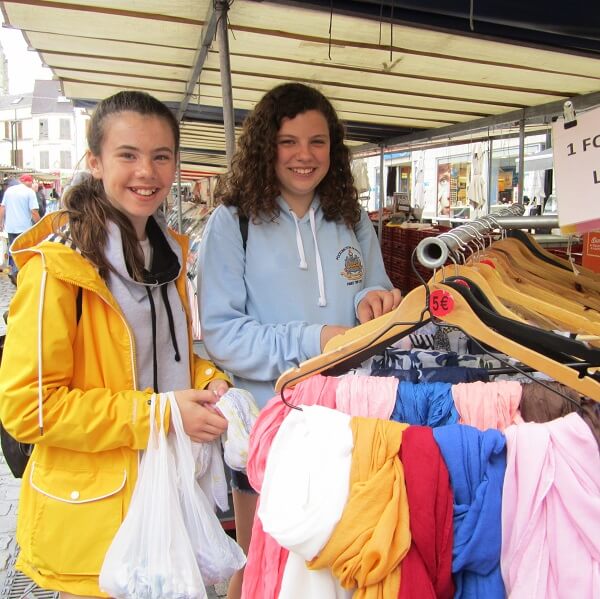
{"x":373,"y":535}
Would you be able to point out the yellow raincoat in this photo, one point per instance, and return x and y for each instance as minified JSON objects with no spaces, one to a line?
{"x":79,"y":481}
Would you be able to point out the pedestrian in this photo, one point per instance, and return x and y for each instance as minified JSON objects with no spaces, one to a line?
{"x":38,"y":188}
{"x":99,"y":364}
{"x":312,"y":265}
{"x":19,"y":210}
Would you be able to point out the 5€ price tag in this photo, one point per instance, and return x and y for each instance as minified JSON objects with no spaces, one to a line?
{"x":440,"y":303}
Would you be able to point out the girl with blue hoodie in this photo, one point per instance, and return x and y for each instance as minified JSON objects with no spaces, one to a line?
{"x":311,"y":265}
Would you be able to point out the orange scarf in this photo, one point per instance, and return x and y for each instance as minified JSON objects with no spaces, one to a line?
{"x":373,"y":535}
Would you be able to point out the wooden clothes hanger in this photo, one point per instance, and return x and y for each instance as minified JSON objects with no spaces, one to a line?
{"x":520,"y":278}
{"x":547,"y":303}
{"x":462,"y":316}
{"x":525,"y":274}
{"x":448,"y":306}
{"x":530,"y":241}
{"x":476,"y":277}
{"x":545,"y":276}
{"x":529,"y":261}
{"x":502,"y":306}
{"x":366,"y":337}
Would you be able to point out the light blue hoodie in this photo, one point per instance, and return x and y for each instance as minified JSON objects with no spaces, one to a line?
{"x":262,"y":311}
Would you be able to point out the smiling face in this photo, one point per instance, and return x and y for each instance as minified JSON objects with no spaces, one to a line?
{"x":136,"y":164}
{"x":303,"y":148}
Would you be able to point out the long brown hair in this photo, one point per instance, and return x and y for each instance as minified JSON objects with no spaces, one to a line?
{"x":86,"y":203}
{"x":251,"y":184}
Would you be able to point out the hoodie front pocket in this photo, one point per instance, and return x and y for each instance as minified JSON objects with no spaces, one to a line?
{"x":77,"y":514}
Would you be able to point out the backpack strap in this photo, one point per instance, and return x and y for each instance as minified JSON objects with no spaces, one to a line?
{"x":243,"y":220}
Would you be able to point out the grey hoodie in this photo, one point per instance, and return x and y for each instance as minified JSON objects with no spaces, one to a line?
{"x":153,"y":309}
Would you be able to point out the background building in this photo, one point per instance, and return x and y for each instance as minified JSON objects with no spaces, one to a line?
{"x":42,"y":132}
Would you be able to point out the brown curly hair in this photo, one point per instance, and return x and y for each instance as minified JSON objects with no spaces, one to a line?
{"x":251,"y":184}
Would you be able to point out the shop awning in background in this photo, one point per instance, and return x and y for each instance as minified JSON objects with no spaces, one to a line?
{"x":387,"y":75}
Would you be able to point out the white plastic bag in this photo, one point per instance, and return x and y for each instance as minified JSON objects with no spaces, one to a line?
{"x":217,"y":554}
{"x":151,"y":556}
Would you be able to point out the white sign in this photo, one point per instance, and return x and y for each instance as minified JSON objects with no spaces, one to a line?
{"x":577,"y":171}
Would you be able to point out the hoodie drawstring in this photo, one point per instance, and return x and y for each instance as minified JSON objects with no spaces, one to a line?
{"x":165,"y":293}
{"x":313,"y":227}
{"x":303,"y":265}
{"x":299,"y":244}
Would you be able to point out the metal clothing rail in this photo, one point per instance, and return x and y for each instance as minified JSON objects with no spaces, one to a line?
{"x":433,"y":252}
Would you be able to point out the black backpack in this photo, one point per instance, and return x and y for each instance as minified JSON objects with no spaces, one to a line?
{"x":16,"y":453}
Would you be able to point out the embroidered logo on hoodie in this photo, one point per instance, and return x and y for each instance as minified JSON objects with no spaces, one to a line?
{"x":353,"y":266}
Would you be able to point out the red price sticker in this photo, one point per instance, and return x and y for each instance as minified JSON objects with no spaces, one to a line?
{"x":440,"y":303}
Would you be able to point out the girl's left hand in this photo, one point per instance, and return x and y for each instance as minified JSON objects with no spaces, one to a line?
{"x":377,"y":303}
{"x":219,"y":387}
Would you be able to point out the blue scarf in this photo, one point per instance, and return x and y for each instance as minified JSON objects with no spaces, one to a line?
{"x":427,"y":404}
{"x":476,"y":463}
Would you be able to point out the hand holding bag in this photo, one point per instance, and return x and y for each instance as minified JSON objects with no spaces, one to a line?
{"x":151,"y":556}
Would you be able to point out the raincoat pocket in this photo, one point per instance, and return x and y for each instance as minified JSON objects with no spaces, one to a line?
{"x":69,"y":505}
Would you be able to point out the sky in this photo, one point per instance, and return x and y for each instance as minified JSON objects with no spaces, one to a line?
{"x":24,"y":66}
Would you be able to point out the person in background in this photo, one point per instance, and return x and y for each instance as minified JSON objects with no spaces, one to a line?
{"x":312,"y":266}
{"x":38,"y":188}
{"x":101,"y":312}
{"x":18,"y":211}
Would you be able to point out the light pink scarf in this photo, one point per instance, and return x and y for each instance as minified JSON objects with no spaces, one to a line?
{"x":551,"y":511}
{"x":368,"y":396}
{"x":488,"y":405}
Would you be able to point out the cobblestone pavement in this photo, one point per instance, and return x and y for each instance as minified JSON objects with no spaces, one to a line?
{"x":10,"y":487}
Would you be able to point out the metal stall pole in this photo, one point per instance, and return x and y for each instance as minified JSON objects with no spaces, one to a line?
{"x":225,"y":67}
{"x":489,"y":173}
{"x":381,"y":198}
{"x":179,"y":203}
{"x":521,"y":160}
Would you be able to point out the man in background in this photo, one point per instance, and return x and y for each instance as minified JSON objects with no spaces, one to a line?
{"x":19,"y":210}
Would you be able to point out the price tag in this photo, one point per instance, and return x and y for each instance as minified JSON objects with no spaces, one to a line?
{"x":440,"y":303}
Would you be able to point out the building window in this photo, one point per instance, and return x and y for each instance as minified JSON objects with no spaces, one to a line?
{"x":7,"y":130}
{"x":65,"y":129}
{"x":65,"y":159}
{"x":44,"y":159}
{"x":43,"y":129}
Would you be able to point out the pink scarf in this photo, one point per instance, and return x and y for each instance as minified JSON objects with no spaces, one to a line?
{"x":488,"y":405}
{"x":551,"y":511}
{"x":266,"y":558}
{"x":368,"y":396}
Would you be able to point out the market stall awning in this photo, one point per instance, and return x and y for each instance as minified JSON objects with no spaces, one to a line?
{"x":385,"y":78}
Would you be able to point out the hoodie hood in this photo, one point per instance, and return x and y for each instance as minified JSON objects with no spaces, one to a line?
{"x":166,"y":261}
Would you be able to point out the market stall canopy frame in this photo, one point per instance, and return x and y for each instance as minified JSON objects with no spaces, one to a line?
{"x":386,"y":73}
